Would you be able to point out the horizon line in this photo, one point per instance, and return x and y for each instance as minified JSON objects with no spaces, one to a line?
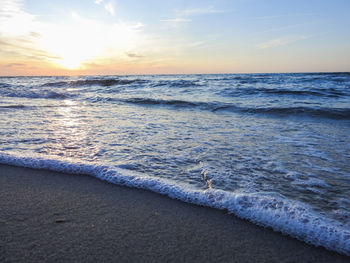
{"x":164,"y":74}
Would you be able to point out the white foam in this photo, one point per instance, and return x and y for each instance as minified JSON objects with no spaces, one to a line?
{"x":265,"y":209}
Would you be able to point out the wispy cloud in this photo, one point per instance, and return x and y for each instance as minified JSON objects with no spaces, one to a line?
{"x":134,"y":55}
{"x":196,"y":44}
{"x":201,"y":11}
{"x":280,"y":42}
{"x":35,"y":34}
{"x":110,"y":8}
{"x":284,"y":28}
{"x":177,"y":20}
{"x":10,"y":65}
{"x":13,"y":20}
{"x":137,"y":25}
{"x":283,"y":16}
{"x":24,"y":37}
{"x":182,"y":16}
{"x":24,"y":47}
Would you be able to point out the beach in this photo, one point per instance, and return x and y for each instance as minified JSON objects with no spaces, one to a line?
{"x":56,"y":217}
{"x":269,"y":148}
{"x":174,"y":131}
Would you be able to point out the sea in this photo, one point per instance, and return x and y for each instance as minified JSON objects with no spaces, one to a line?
{"x":273,"y":149}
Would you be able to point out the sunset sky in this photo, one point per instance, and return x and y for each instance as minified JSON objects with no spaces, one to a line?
{"x":68,"y":37}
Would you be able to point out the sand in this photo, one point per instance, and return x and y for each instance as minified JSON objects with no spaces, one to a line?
{"x":55,"y":217}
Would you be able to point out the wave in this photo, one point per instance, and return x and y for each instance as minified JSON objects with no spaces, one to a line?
{"x":38,"y":95}
{"x":150,"y":101}
{"x":266,"y":209}
{"x":263,"y":76}
{"x":28,"y":107}
{"x":56,"y":84}
{"x":19,"y":106}
{"x":242,"y":91}
{"x":93,"y":82}
{"x":181,"y":83}
{"x":4,"y":86}
{"x":332,"y":113}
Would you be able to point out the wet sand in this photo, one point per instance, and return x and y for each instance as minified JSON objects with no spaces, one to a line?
{"x":55,"y":217}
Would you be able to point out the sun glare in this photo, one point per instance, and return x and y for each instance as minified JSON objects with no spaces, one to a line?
{"x":73,"y":42}
{"x":87,"y":40}
{"x":73,"y":45}
{"x":73,"y":53}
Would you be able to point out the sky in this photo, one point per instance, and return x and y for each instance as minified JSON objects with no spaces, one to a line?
{"x":108,"y":37}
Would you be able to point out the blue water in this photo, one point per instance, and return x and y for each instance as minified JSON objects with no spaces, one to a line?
{"x":271,"y":148}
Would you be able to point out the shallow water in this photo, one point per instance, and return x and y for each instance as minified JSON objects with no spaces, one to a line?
{"x":272,"y":148}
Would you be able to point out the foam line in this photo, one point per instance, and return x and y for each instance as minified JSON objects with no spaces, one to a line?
{"x":265,"y":209}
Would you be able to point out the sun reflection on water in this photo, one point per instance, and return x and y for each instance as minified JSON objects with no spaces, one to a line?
{"x":71,"y":135}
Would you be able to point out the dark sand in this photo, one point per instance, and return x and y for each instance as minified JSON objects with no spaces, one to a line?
{"x":53,"y":217}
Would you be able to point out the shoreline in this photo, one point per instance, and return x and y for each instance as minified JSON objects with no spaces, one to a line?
{"x":52,"y":216}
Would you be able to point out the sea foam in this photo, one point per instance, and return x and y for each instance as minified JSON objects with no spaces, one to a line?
{"x":266,"y":209}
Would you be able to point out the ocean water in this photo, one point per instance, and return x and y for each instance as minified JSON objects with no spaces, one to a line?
{"x":270,"y":148}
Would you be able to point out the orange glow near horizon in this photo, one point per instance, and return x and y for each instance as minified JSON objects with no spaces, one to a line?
{"x":107,"y":37}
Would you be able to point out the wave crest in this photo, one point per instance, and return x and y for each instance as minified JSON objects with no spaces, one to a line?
{"x":93,"y":82}
{"x":331,"y":113}
{"x":244,"y":91}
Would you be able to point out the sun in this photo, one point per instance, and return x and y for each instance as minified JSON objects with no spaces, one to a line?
{"x":74,"y":43}
{"x":72,"y":49}
{"x":71,"y":58}
{"x":69,"y":64}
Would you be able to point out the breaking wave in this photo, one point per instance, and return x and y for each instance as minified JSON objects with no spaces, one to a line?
{"x":266,"y":209}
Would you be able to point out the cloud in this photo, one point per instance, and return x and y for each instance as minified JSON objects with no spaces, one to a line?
{"x":182,"y":15}
{"x":280,"y":42}
{"x":283,"y":28}
{"x":177,"y":20}
{"x":110,"y":8}
{"x":70,"y":44}
{"x":14,"y":21}
{"x":16,"y":34}
{"x":201,"y":11}
{"x":15,"y":65}
{"x":137,"y":25}
{"x":24,"y":47}
{"x":283,"y":15}
{"x":35,"y":34}
{"x":134,"y":55}
{"x":196,"y":44}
